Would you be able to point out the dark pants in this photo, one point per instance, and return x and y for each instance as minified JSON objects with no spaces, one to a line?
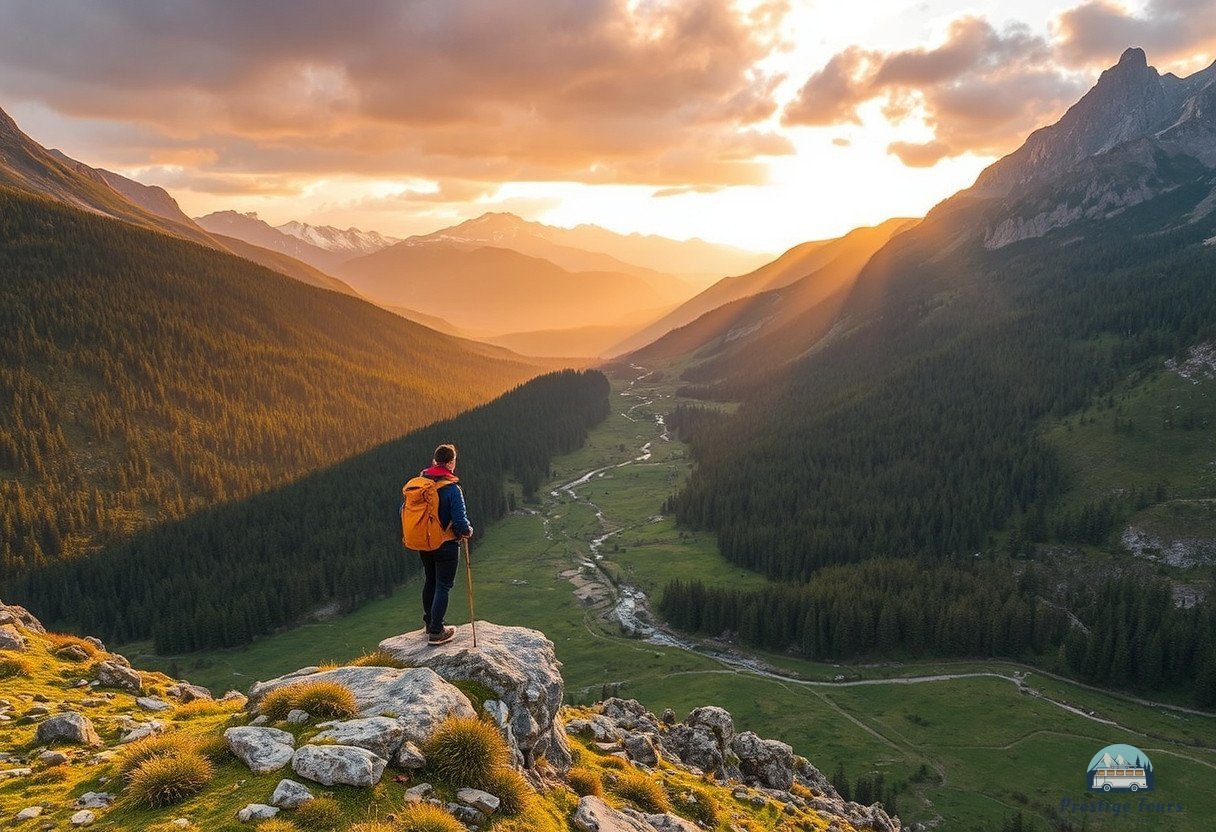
{"x":440,"y":569}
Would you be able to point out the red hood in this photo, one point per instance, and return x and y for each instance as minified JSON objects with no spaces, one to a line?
{"x":439,"y":472}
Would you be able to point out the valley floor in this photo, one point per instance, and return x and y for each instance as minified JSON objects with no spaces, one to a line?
{"x":968,"y":743}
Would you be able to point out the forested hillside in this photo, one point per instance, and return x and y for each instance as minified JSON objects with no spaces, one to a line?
{"x":227,"y":575}
{"x":143,"y":377}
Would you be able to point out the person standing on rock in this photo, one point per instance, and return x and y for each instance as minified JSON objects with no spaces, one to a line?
{"x":434,"y":520}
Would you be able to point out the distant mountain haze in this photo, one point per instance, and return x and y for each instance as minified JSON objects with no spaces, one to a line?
{"x":284,"y":264}
{"x":848,"y":254}
{"x":497,"y":290}
{"x":574,"y":248}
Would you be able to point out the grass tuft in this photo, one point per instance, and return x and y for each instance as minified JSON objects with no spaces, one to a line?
{"x":514,"y":792}
{"x":425,"y":817}
{"x":12,"y":664}
{"x":158,"y":745}
{"x":465,"y":751}
{"x":277,"y":825}
{"x":58,"y":641}
{"x":162,"y":781}
{"x":586,"y":781}
{"x":613,"y":762}
{"x":319,"y":814}
{"x":330,"y":700}
{"x":215,"y":748}
{"x":203,"y":707}
{"x":698,"y":805}
{"x":374,"y":826}
{"x":379,"y":658}
{"x":641,"y":791}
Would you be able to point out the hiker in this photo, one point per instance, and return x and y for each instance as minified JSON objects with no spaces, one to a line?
{"x":445,"y":527}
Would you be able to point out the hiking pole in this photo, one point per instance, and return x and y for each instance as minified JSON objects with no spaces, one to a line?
{"x":468,"y":574}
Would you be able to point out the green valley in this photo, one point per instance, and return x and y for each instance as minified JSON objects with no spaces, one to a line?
{"x":973,"y":742}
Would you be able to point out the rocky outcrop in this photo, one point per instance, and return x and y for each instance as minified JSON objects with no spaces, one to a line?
{"x":703,"y":740}
{"x":20,"y":617}
{"x":771,"y":763}
{"x":11,"y":638}
{"x":417,"y":698}
{"x":332,"y":765}
{"x":516,"y":663}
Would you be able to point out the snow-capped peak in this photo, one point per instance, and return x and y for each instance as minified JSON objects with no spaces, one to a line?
{"x":351,"y":241}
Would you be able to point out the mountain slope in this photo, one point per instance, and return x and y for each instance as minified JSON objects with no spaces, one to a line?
{"x":224,"y":378}
{"x":249,"y":228}
{"x":27,"y":166}
{"x":845,"y":256}
{"x":285,"y":264}
{"x":497,"y":290}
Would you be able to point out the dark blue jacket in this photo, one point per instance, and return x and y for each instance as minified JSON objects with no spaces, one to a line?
{"x":452,"y":512}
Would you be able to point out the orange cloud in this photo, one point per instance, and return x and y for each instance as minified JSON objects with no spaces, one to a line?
{"x":591,"y":90}
{"x":1166,"y":29}
{"x":981,"y":90}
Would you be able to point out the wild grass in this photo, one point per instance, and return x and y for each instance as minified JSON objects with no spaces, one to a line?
{"x":465,"y":751}
{"x":424,"y":817}
{"x":330,"y":700}
{"x":586,"y":781}
{"x":642,"y":791}
{"x":698,"y":805}
{"x":378,"y":658}
{"x":172,"y":744}
{"x":163,"y":781}
{"x":318,"y":814}
{"x":515,"y":794}
{"x":13,"y":664}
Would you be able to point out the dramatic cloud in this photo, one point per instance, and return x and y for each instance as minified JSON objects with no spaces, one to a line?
{"x":593,"y":90}
{"x":981,"y":90}
{"x":1166,"y":29}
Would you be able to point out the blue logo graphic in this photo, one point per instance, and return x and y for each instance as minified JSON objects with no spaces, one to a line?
{"x":1119,"y":768}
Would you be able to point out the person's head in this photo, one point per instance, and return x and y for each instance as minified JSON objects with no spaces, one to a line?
{"x":445,"y":455}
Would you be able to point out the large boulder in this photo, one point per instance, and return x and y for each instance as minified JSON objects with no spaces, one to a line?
{"x":69,"y":727}
{"x":338,"y":764}
{"x":378,"y":734}
{"x":519,"y":665}
{"x":417,"y":698}
{"x":262,"y":749}
{"x":594,"y":815}
{"x":667,"y":822}
{"x":21,"y":617}
{"x":770,"y":762}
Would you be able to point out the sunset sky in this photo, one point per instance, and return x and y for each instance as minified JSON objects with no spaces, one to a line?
{"x":760,"y":124}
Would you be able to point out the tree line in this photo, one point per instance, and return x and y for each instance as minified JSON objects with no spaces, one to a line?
{"x":231,"y":573}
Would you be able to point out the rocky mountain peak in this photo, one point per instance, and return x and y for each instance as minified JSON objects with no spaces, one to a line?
{"x":1133,"y":56}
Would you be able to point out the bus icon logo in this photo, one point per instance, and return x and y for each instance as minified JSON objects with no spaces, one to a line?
{"x":1119,"y":768}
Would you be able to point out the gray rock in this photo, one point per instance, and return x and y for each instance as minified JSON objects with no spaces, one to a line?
{"x":516,"y":663}
{"x":261,"y":749}
{"x":10,"y":773}
{"x":770,"y":762}
{"x":640,"y":749}
{"x":297,"y":717}
{"x":416,"y":697}
{"x":594,"y":815}
{"x":187,"y":692}
{"x":151,"y":703}
{"x":418,"y":793}
{"x":96,"y":642}
{"x":255,"y":812}
{"x":290,"y":795}
{"x":259,"y":720}
{"x":111,"y":674}
{"x":703,"y":740}
{"x":410,"y":756}
{"x":234,"y":696}
{"x":668,"y":822}
{"x":10,"y":639}
{"x":338,"y":764}
{"x":69,"y":727}
{"x":94,"y":800}
{"x":378,"y":734}
{"x":21,"y":617}
{"x":29,"y":813}
{"x":467,"y":815}
{"x":52,"y":758}
{"x":140,"y":730}
{"x":483,"y":802}
{"x":82,"y":818}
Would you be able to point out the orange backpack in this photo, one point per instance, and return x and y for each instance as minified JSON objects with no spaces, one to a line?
{"x":420,"y":529}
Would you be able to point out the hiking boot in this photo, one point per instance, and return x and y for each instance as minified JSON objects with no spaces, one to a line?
{"x":444,"y":637}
